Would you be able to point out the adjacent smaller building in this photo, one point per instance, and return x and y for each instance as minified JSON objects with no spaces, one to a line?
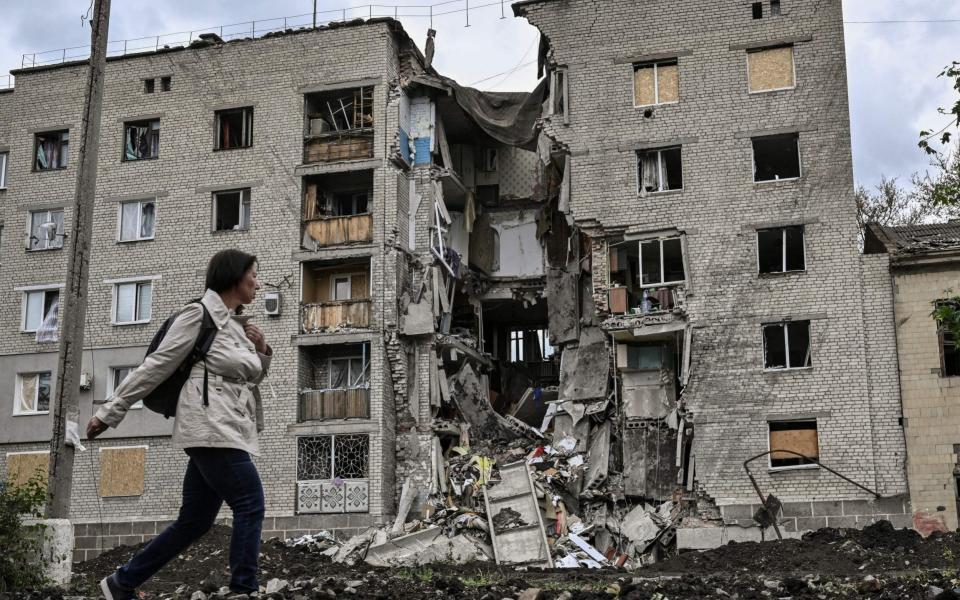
{"x":924,"y":262}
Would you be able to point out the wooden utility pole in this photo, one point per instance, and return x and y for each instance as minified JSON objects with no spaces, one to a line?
{"x":73,"y":308}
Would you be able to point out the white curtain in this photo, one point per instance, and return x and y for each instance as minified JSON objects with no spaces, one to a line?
{"x":129,"y":220}
{"x":47,"y":332}
{"x":648,"y":172}
{"x":147,"y":220}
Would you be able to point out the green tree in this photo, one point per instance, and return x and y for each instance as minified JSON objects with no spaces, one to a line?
{"x":945,"y":189}
{"x":21,"y":543}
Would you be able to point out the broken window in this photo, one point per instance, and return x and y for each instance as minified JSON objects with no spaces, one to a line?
{"x":786,"y":345}
{"x":659,"y":170}
{"x":776,"y":157}
{"x":51,"y":150}
{"x":558,"y":92}
{"x":949,"y":352}
{"x":137,"y":220}
{"x":781,"y":249}
{"x":348,"y":373}
{"x":141,"y":140}
{"x":661,"y":262}
{"x":132,"y":302}
{"x":46,"y":229}
{"x":234,"y":128}
{"x":798,"y":437}
{"x":774,"y":8}
{"x":656,"y":83}
{"x":165,"y":83}
{"x":757,"y":8}
{"x":770,"y":69}
{"x":325,"y":457}
{"x":149,"y":86}
{"x":3,"y":170}
{"x":231,"y":210}
{"x":339,"y":111}
{"x":32,"y":393}
{"x":40,"y":309}
{"x":345,"y":204}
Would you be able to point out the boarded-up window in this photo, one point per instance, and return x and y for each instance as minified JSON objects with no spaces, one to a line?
{"x":789,"y":438}
{"x":771,"y":69}
{"x":121,"y":471}
{"x":24,"y":466}
{"x":656,"y":83}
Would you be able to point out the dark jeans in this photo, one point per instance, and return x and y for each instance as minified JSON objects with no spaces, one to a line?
{"x":214,"y":476}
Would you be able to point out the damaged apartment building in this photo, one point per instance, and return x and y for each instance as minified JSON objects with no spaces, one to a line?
{"x":558,"y":321}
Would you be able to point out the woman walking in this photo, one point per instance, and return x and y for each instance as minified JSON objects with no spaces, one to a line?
{"x":217,"y":427}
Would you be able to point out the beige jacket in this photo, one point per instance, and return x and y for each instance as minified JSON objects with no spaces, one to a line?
{"x":234,"y":414}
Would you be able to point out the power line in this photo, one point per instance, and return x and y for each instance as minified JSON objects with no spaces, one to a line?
{"x":516,"y":68}
{"x":896,"y":21}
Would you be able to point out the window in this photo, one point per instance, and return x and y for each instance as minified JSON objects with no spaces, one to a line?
{"x":348,"y":373}
{"x":340,"y":287}
{"x":332,"y":457}
{"x":165,"y":83}
{"x":661,"y":262}
{"x":489,"y":160}
{"x":798,"y":437}
{"x":149,"y":86}
{"x":775,"y":8}
{"x":771,"y":69}
{"x":776,"y":157}
{"x":40,"y":310}
{"x":46,"y":229}
{"x":659,"y":170}
{"x":780,"y":250}
{"x":234,"y":128}
{"x":3,"y":170}
{"x":32,"y":394}
{"x":786,"y":345}
{"x":117,"y":375}
{"x":348,"y":204}
{"x":51,"y":150}
{"x":141,"y":140}
{"x":231,"y":210}
{"x":646,"y":357}
{"x":757,"y":8}
{"x":559,"y":89}
{"x":949,"y":353}
{"x":516,"y":346}
{"x":132,"y":302}
{"x":656,"y":83}
{"x":137,"y":220}
{"x":529,"y":345}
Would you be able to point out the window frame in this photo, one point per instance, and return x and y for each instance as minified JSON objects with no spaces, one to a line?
{"x":793,"y":66}
{"x":559,"y":103}
{"x":807,"y":466}
{"x":753,"y":158}
{"x":25,"y":300}
{"x":333,"y":286}
{"x":112,"y":383}
{"x":660,"y":189}
{"x":783,"y":256}
{"x":942,"y":343}
{"x":152,"y":131}
{"x":4,"y":162}
{"x":245,"y":198}
{"x":138,"y":282}
{"x":662,"y":270}
{"x":246,"y":134}
{"x":18,"y":391}
{"x":140,"y":204}
{"x":333,"y":457}
{"x":58,"y":237}
{"x":786,"y":344}
{"x":656,"y":64}
{"x":64,"y":136}
{"x":365,"y":372}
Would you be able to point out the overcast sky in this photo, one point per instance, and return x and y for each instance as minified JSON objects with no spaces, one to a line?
{"x":894,"y":91}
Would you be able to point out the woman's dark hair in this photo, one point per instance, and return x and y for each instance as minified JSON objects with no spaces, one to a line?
{"x":227,"y":268}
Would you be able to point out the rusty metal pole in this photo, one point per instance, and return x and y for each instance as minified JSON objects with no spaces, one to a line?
{"x":73,"y":308}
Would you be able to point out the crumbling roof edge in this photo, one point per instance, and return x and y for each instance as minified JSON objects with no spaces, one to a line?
{"x":519,"y":8}
{"x":395,"y":26}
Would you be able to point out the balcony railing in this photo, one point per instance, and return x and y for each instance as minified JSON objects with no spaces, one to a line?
{"x":338,"y":146}
{"x":623,"y":300}
{"x":336,"y":231}
{"x":315,"y":318}
{"x":345,"y":403}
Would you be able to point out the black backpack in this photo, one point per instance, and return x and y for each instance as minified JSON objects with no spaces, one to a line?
{"x":163,"y":398}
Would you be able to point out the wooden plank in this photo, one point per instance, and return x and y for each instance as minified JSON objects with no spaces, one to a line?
{"x":803,"y":441}
{"x":771,"y":69}
{"x":21,"y":467}
{"x":122,"y":471}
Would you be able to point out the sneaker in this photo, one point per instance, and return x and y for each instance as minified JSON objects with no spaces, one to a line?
{"x":112,"y":590}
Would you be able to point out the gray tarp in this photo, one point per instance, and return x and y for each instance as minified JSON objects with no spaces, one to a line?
{"x":508,"y":117}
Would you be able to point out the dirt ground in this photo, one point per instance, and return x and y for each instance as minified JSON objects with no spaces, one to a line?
{"x":878,"y":562}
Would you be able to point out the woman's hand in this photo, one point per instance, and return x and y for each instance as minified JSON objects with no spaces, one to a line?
{"x":95,"y":427}
{"x":255,"y":335}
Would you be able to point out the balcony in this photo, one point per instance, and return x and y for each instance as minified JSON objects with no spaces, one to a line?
{"x":339,"y":125}
{"x":317,"y":405}
{"x":336,"y":209}
{"x":335,"y":382}
{"x":335,"y":295}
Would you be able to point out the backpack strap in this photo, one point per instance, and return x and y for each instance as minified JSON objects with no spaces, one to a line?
{"x":208,"y":330}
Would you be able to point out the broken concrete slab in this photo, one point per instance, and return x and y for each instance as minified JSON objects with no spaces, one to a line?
{"x":419,"y":318}
{"x":584,"y":370}
{"x":353,"y":550}
{"x":649,"y":462}
{"x":647,"y":394}
{"x":561,"y":293}
{"x":428,"y":546}
{"x":598,"y":460}
{"x":470,"y":398}
{"x":640,"y":527}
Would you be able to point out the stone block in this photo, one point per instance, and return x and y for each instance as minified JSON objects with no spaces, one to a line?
{"x":287,"y":523}
{"x":888,"y":506}
{"x":131,"y":540}
{"x":811,"y":523}
{"x":85,"y":542}
{"x":143,"y":527}
{"x":797,"y":509}
{"x":736,"y":512}
{"x":842,"y":522}
{"x":828,"y":509}
{"x":79,"y":556}
{"x":857,"y":507}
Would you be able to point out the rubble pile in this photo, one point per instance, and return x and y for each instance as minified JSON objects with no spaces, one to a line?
{"x":878,"y":563}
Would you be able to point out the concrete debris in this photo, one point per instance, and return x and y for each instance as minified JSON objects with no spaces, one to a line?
{"x":428,"y":546}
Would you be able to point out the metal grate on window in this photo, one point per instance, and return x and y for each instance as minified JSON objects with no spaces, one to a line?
{"x":313,"y":458}
{"x":350,"y":456}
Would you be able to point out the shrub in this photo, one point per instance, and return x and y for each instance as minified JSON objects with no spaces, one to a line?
{"x":21,"y":542}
